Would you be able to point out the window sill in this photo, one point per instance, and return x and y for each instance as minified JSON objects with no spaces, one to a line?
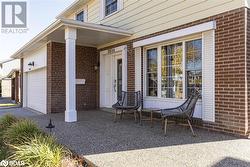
{"x":110,"y":15}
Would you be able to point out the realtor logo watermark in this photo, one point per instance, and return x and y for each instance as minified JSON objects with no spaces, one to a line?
{"x":14,"y":17}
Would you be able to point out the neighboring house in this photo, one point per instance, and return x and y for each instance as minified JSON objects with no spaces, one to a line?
{"x":10,"y":80}
{"x":97,"y":48}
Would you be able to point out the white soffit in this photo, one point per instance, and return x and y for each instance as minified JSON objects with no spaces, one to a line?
{"x":177,"y":34}
{"x":108,"y":32}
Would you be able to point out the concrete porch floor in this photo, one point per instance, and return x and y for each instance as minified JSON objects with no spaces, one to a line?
{"x":125,"y":143}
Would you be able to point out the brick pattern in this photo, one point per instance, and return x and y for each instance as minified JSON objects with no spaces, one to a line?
{"x":86,"y":59}
{"x":248,"y":67}
{"x":230,"y":103}
{"x":55,"y":77}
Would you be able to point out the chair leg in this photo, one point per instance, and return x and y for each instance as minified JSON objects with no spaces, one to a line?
{"x":121,"y":115}
{"x":165,"y":126}
{"x":140,"y":115}
{"x":115,"y":116}
{"x":191,"y":128}
{"x":135,"y":116}
{"x":162,"y":123}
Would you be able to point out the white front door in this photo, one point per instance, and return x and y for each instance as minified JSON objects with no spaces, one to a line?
{"x":111,"y":78}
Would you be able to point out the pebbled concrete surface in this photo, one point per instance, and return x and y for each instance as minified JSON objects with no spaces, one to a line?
{"x":126,"y":144}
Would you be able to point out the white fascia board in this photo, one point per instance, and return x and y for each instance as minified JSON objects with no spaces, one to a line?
{"x":37,"y":38}
{"x":73,"y":24}
{"x":177,"y":34}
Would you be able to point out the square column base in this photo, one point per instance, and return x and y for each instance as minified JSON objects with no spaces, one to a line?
{"x":71,"y":116}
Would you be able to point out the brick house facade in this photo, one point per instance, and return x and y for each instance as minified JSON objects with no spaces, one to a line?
{"x":86,"y":60}
{"x":231,"y":66}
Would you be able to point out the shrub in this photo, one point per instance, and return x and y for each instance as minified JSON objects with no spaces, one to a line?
{"x":41,"y":151}
{"x":3,"y":152}
{"x":20,"y":132}
{"x":6,"y":121}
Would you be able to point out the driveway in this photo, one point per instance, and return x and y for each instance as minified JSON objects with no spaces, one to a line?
{"x":19,"y":112}
{"x":126,"y":144}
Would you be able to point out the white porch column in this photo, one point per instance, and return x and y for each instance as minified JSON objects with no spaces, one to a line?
{"x":70,"y":37}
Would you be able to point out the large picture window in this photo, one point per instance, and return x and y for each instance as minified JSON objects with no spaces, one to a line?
{"x":152,"y":82}
{"x":179,"y":69}
{"x":171,"y":71}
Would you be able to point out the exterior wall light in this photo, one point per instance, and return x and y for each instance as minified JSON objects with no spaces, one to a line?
{"x":31,"y":64}
{"x":97,"y":66}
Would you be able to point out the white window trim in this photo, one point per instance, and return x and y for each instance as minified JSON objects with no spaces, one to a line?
{"x":177,"y":34}
{"x":85,"y":12}
{"x":102,"y":9}
{"x":159,"y":46}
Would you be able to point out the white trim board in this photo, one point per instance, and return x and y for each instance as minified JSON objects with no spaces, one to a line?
{"x":177,"y":34}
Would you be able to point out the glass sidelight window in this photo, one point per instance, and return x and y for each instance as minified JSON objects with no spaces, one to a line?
{"x":152,"y":84}
{"x":179,"y":71}
{"x":193,"y":65}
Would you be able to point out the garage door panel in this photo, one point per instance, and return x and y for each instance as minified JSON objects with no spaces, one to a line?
{"x":36,"y":90}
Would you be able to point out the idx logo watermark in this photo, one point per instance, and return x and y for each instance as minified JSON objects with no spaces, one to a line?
{"x":14,"y":17}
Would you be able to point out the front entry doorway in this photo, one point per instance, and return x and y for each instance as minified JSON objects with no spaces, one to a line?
{"x":113,"y":75}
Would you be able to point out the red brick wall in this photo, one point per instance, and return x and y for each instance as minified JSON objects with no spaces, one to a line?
{"x":248,"y":68}
{"x":86,"y":59}
{"x":230,"y":109}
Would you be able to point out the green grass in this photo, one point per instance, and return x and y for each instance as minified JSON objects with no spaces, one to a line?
{"x":7,"y":105}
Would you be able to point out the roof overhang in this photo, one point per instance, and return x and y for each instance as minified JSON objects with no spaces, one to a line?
{"x":5,"y":61}
{"x":88,"y":34}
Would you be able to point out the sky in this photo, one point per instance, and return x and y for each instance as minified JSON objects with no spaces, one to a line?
{"x":41,"y":13}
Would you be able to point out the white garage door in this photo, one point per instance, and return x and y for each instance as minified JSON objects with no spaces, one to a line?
{"x":36,"y":90}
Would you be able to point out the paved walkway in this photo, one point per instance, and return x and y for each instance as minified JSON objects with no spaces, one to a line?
{"x":126,"y":144}
{"x":19,"y":112}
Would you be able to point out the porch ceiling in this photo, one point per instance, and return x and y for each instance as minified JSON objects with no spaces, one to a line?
{"x":88,"y":34}
{"x":86,"y":37}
